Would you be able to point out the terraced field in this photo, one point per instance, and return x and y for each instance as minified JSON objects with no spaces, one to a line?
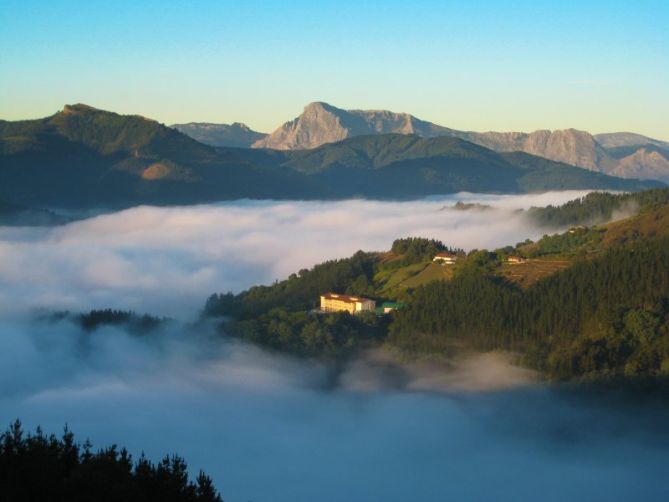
{"x":527,"y":273}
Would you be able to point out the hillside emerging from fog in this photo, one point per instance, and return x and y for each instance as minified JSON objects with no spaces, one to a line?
{"x":84,"y":157}
{"x":588,"y":303}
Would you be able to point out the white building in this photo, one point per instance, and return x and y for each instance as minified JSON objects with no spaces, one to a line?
{"x":445,"y":258}
{"x":333,"y":302}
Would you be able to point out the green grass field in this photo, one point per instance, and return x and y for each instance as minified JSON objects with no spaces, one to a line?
{"x":412,"y":276}
{"x":529,"y":272}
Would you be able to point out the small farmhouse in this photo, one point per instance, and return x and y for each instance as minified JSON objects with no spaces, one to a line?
{"x":333,"y":302}
{"x":445,"y":258}
{"x":388,"y":307}
{"x":514,"y":260}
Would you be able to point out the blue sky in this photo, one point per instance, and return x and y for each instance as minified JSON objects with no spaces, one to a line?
{"x":479,"y":65}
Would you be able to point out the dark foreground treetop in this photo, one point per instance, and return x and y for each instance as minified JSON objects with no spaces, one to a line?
{"x":36,"y":467}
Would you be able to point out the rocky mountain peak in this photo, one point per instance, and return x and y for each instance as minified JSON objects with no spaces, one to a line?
{"x":319,"y":123}
{"x":322,"y":123}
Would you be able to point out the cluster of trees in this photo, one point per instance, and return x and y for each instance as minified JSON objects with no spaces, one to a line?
{"x":415,"y":250}
{"x":36,"y":467}
{"x":467,"y":206}
{"x":301,"y":291}
{"x":418,"y":249}
{"x":278,"y":316}
{"x":577,"y":241}
{"x":301,"y":333}
{"x":605,"y":316}
{"x":629,"y":342}
{"x":598,"y":207}
{"x":134,"y":323}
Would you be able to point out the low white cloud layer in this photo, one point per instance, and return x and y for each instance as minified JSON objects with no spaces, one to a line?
{"x":167,"y":260}
{"x":273,"y":428}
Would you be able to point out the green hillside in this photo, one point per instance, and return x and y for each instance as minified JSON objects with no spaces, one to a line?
{"x":84,"y":157}
{"x":87,"y":157}
{"x":598,"y":207}
{"x":397,"y":165}
{"x":104,"y":132}
{"x":589,"y":303}
{"x":376,"y":151}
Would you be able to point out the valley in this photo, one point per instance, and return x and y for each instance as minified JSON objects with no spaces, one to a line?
{"x":334,"y":251}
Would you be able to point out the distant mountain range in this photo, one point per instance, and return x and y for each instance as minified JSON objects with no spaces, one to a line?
{"x":84,"y":157}
{"x":321,"y":123}
{"x":402,"y":165}
{"x":235,"y":135}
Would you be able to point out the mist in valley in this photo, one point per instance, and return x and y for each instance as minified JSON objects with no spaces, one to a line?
{"x":269,"y":427}
{"x":167,"y":260}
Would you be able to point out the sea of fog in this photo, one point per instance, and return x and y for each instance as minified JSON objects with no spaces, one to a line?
{"x":168,"y":260}
{"x":273,"y":428}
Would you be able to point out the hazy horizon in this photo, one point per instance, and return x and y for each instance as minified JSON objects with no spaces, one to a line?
{"x":480,"y":66}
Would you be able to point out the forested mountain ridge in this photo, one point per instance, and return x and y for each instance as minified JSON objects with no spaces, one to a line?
{"x":599,"y":207}
{"x":104,"y":132}
{"x":402,"y":165}
{"x":587,"y":303}
{"x":602,"y":317}
{"x":84,"y":157}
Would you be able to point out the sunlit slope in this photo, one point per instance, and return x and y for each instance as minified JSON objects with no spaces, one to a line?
{"x":82,"y":156}
{"x":587,"y":303}
{"x":552,"y":253}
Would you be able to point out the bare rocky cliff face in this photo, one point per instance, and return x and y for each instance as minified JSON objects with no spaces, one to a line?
{"x":577,"y":148}
{"x":645,"y":163}
{"x":322,"y":123}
